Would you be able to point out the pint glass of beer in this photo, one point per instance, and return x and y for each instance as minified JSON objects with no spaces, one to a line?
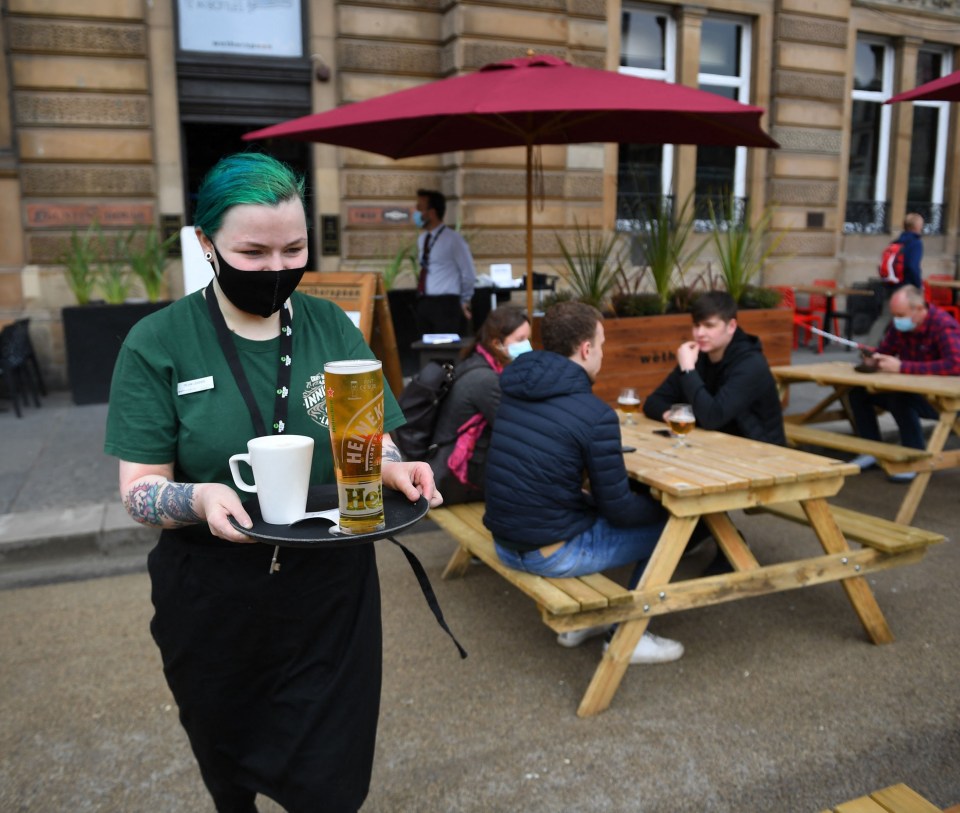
{"x":355,"y":409}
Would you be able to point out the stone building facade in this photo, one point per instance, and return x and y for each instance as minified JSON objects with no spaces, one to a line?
{"x":108,"y":115}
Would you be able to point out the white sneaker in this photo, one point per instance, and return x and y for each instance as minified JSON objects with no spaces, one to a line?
{"x":864,"y":461}
{"x":654,"y":649}
{"x":576,"y":637}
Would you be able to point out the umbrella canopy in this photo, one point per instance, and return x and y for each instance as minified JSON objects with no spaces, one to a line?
{"x":944,"y":89}
{"x":525,"y":102}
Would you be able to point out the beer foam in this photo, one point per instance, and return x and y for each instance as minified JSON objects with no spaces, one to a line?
{"x":351,"y":366}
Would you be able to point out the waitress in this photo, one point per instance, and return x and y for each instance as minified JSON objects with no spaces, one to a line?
{"x":276,"y":672}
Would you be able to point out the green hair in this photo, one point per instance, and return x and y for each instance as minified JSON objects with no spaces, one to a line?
{"x":245,"y":178}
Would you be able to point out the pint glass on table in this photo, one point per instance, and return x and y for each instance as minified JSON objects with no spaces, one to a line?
{"x":355,"y":409}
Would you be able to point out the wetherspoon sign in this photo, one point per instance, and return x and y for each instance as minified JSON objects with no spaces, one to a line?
{"x":254,"y":27}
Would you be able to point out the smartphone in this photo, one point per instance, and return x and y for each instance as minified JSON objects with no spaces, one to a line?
{"x":628,"y":449}
{"x":664,"y":433}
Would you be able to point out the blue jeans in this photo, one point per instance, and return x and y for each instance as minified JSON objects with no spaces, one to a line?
{"x":598,"y":548}
{"x":907,"y":410}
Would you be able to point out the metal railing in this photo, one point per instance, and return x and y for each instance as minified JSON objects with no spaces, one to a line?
{"x":867,"y":217}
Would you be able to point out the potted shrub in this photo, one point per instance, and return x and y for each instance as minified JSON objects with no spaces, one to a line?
{"x":94,"y":329}
{"x":147,"y":259}
{"x":648,"y":325}
{"x":592,"y":266}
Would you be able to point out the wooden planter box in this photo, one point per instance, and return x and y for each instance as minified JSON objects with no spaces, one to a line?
{"x":640,"y":351}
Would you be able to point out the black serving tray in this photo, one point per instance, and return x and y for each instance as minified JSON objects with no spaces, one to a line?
{"x":399,"y":514}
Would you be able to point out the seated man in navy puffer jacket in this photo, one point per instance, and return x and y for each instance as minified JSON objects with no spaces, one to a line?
{"x":550,"y":431}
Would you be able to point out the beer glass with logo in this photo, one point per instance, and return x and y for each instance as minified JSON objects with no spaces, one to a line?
{"x":355,"y":410}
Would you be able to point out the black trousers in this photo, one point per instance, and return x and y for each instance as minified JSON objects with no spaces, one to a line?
{"x":440,"y":314}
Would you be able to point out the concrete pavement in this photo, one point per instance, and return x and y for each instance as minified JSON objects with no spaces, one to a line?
{"x":779,"y":704}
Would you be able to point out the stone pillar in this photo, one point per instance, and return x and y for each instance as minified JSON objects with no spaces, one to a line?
{"x":689,"y":27}
{"x":808,"y":119}
{"x":11,"y":247}
{"x":901,"y":131}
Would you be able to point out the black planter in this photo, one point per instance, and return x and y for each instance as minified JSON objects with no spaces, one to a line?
{"x":92,"y":336}
{"x":403,"y":312}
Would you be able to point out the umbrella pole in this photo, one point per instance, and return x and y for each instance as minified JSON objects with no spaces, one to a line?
{"x":530,"y":230}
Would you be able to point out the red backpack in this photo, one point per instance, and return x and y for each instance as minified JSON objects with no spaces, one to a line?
{"x":891,"y":264}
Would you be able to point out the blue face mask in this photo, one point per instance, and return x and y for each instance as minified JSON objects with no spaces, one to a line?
{"x":519,"y":348}
{"x":418,"y":220}
{"x":903,"y":323}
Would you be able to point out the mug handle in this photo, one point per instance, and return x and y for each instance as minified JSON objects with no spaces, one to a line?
{"x":235,"y":471}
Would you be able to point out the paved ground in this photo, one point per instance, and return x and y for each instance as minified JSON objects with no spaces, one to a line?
{"x":780,"y":704}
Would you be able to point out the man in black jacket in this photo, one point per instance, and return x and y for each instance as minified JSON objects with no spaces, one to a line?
{"x":550,"y":431}
{"x":723,"y":375}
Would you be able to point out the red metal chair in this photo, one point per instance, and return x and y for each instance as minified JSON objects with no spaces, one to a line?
{"x":941,"y":297}
{"x":801,"y":321}
{"x":818,"y":304}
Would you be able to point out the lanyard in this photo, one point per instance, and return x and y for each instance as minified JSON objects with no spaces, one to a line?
{"x":229,"y":348}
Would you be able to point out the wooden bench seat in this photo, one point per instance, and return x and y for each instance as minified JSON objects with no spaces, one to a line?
{"x":895,"y":799}
{"x":802,"y":433}
{"x":874,"y":532}
{"x":561,"y":597}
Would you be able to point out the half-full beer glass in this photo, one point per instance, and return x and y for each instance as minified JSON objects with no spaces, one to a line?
{"x":355,"y":409}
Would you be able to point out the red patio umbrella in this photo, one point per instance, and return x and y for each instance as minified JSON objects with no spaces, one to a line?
{"x":944,"y":89}
{"x":524,"y":102}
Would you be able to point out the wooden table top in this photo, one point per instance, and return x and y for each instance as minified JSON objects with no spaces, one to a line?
{"x":827,"y":290}
{"x":716,"y":462}
{"x":841,"y":373}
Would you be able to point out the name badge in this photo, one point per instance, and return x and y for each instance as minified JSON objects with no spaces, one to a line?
{"x":196,"y":385}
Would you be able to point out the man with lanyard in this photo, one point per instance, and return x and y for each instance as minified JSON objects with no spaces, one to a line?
{"x":922,"y":340}
{"x":447,"y":275}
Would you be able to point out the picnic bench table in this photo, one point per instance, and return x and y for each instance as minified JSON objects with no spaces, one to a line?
{"x":716,"y":474}
{"x":941,"y":391}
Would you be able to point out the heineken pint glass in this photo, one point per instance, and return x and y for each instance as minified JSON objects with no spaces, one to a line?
{"x":355,"y":409}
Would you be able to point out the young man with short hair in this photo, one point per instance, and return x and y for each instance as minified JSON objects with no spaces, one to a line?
{"x":551,"y":430}
{"x":723,"y":375}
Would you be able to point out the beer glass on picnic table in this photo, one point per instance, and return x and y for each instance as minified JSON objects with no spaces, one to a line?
{"x":355,"y":410}
{"x":681,"y":420}
{"x":629,"y":403}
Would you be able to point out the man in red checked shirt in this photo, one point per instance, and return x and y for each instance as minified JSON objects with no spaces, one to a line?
{"x":921,"y":340}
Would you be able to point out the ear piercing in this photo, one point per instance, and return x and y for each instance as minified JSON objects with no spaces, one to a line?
{"x":208,"y":256}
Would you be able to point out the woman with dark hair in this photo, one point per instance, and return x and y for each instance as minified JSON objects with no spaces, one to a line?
{"x":276,"y":673}
{"x":467,"y":413}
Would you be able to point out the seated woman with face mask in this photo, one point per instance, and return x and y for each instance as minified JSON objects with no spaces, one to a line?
{"x":467,"y":413}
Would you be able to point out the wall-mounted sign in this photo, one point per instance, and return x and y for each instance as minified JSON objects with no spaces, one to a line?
{"x":379,"y":215}
{"x":329,"y":235}
{"x":108,"y":215}
{"x":254,"y":27}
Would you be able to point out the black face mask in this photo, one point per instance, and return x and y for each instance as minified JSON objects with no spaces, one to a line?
{"x":259,"y":292}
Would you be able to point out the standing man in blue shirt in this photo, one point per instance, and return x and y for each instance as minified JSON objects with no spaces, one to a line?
{"x":447,"y":275}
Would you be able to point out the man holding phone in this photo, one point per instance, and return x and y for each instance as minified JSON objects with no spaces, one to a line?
{"x":921,"y":340}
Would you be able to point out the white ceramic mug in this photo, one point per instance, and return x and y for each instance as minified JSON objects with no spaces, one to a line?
{"x":281,"y":475}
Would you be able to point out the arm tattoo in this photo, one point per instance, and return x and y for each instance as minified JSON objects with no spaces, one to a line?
{"x":390,"y":453}
{"x":161,"y":504}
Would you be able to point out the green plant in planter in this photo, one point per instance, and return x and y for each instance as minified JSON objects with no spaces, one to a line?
{"x":113,"y":274}
{"x":661,"y":245}
{"x":80,"y":260}
{"x":148,"y":259}
{"x":406,"y":254}
{"x":741,"y":248}
{"x":592,"y":267}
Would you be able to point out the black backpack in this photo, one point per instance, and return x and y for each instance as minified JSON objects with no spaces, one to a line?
{"x":420,"y":402}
